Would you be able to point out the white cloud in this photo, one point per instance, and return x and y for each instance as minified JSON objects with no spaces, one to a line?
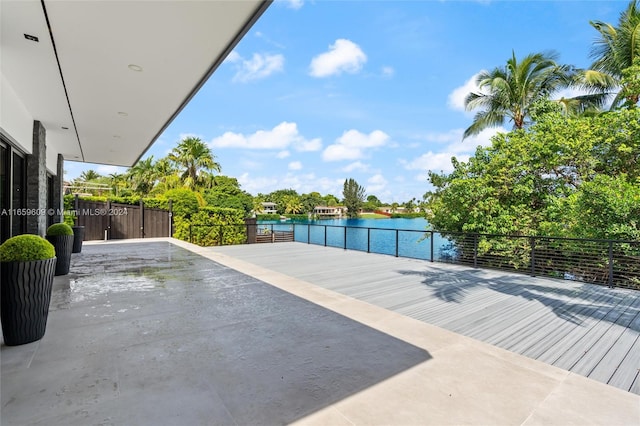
{"x":106,"y":170}
{"x":292,"y":4}
{"x":437,"y":162}
{"x":376,"y":184}
{"x":455,"y":146}
{"x":259,"y":66}
{"x":254,"y":185}
{"x":357,"y":166}
{"x":352,"y":145}
{"x":283,"y":154}
{"x":343,"y":56}
{"x":388,"y":71}
{"x":295,"y":165}
{"x":233,"y":57}
{"x":281,"y":137}
{"x":303,"y":183}
{"x":459,"y":94}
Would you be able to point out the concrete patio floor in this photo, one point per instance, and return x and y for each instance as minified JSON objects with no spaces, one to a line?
{"x":164,"y":332}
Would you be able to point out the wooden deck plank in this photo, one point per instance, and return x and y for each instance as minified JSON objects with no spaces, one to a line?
{"x":556,"y":334}
{"x":609,"y":343}
{"x":628,"y":371}
{"x":574,"y":345}
{"x":591,"y":330}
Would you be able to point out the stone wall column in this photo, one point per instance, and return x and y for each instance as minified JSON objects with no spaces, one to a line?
{"x":37,"y":182}
{"x":58,"y":188}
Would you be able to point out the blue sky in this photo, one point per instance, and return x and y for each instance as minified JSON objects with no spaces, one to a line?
{"x":321,"y":91}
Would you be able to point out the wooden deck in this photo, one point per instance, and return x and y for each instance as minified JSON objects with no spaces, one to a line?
{"x":587,"y":329}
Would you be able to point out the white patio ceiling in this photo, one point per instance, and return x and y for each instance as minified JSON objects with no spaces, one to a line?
{"x":107,"y":77}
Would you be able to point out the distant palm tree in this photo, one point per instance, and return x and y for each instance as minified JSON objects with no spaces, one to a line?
{"x":617,"y":49}
{"x":88,"y":175}
{"x":293,"y":204}
{"x":509,"y":92}
{"x":191,"y":156}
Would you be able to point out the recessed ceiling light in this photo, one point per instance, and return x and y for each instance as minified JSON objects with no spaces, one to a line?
{"x":122,"y":114}
{"x":134,"y":67}
{"x":31,"y":37}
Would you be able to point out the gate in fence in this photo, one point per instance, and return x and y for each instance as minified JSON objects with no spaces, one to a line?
{"x":113,"y":221}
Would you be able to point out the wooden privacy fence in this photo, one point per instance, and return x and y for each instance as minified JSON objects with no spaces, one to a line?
{"x":113,"y":221}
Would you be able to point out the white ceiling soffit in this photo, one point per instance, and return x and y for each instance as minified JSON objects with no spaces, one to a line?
{"x":128,"y":67}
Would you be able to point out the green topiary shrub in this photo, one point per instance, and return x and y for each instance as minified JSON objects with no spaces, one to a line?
{"x":25,"y":248}
{"x":59,"y":229}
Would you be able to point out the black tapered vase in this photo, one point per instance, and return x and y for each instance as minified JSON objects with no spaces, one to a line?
{"x":78,"y":237}
{"x":64,"y":246}
{"x":25,"y":292}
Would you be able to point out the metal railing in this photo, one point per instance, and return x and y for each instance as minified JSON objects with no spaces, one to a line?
{"x":607,"y":262}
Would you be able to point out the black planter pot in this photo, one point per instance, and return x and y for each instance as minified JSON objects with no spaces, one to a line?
{"x":78,"y":237}
{"x":25,"y":295}
{"x":63,"y":245}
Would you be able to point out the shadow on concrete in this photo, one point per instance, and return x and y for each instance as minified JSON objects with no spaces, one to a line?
{"x":150,"y":333}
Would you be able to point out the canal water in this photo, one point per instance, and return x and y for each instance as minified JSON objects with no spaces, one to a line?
{"x":401,"y":237}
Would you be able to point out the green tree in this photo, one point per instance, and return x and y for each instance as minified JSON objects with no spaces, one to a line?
{"x":142,"y":176}
{"x":311,"y":201}
{"x":353,"y":197}
{"x":616,"y":50}
{"x":293,"y":204}
{"x":192,"y":156}
{"x":185,"y":202}
{"x":330,"y":200}
{"x":535,"y":181}
{"x":507,"y":93}
{"x":117,"y":182}
{"x":227,"y":193}
{"x":279,"y":196}
{"x":89,"y":175}
{"x":372,"y":203}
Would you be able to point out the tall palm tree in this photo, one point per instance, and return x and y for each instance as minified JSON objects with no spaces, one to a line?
{"x":617,"y":49}
{"x":509,"y":92}
{"x":142,"y":176}
{"x":117,"y":181}
{"x":191,"y":156}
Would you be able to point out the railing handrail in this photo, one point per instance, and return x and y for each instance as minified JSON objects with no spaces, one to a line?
{"x":603,"y":261}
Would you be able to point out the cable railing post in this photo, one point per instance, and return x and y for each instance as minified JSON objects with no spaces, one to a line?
{"x":325,"y":235}
{"x":611,"y":264}
{"x":432,"y":236}
{"x":397,"y":242}
{"x":345,"y":237}
{"x":533,"y":256}
{"x":368,"y":240}
{"x":190,"y":234}
{"x":220,"y":235}
{"x":475,"y":250}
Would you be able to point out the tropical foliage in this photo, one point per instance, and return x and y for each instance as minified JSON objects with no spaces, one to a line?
{"x":507,"y":93}
{"x":615,"y":51}
{"x":558,"y":177}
